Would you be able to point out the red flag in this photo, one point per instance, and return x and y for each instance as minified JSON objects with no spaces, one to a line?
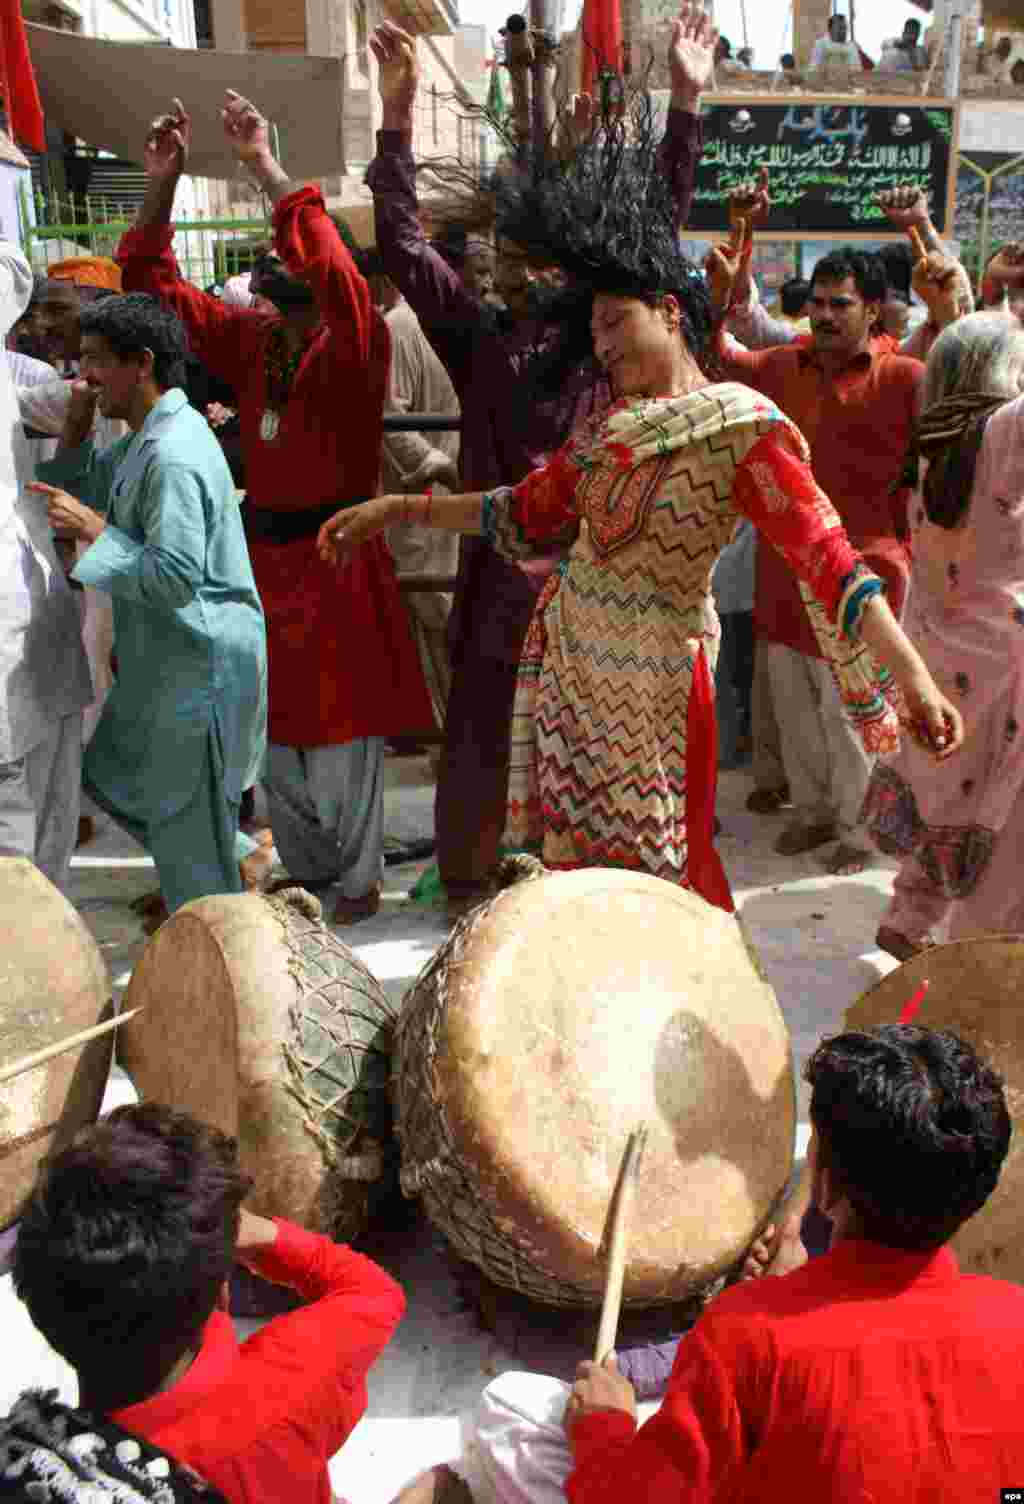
{"x":21,"y":97}
{"x":601,"y":32}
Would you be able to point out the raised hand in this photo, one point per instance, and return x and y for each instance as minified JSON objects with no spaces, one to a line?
{"x":905,"y":207}
{"x":691,"y":54}
{"x":397,"y":72}
{"x":728,"y":263}
{"x":166,"y":150}
{"x":942,"y":284}
{"x":751,"y":200}
{"x":246,"y":129}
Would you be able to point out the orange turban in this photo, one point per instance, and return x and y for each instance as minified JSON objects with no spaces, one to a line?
{"x":87,"y":271}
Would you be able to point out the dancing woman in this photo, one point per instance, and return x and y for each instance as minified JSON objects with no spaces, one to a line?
{"x":959,"y":828}
{"x":613,"y":736}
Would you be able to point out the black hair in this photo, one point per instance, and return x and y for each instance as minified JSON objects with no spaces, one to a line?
{"x":126,"y":1240}
{"x":913,"y":1127}
{"x":912,"y":24}
{"x":607,"y":217}
{"x":370,"y":263}
{"x":864,"y":267}
{"x":787,"y":61}
{"x":133,"y":322}
{"x":793,"y":296}
{"x":898,"y":262}
{"x":725,"y":45}
{"x":833,"y":18}
{"x":452,"y":243}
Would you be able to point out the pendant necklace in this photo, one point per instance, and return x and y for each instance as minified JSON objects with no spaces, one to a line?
{"x":280,"y":366}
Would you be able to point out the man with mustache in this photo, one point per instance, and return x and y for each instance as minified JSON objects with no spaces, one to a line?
{"x":311,"y":380}
{"x":855,"y":402}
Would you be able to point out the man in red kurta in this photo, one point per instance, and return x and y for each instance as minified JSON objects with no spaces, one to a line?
{"x":876,"y":1374}
{"x":122,"y":1257}
{"x":311,"y":381}
{"x":855,"y":402}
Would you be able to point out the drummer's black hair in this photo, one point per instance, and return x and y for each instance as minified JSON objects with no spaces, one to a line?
{"x":912,"y":1126}
{"x":125,"y":1243}
{"x":134,"y":322}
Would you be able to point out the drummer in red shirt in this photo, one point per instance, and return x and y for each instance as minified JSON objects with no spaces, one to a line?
{"x":877,"y":1372}
{"x":123,"y":1255}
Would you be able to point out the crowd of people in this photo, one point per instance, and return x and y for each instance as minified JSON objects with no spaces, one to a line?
{"x":627,"y":419}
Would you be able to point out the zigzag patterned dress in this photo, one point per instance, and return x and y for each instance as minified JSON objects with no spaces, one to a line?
{"x":614,"y":685}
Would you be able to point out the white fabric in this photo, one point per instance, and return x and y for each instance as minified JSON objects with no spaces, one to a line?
{"x":237,"y":292}
{"x":826,"y":765}
{"x":517,"y":1452}
{"x":40,"y":799}
{"x":43,"y":406}
{"x":43,"y":672}
{"x":418,"y":382}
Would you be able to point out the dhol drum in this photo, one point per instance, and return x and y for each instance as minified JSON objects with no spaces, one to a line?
{"x":555,"y":1020}
{"x":974,"y":989}
{"x":259,"y":1020}
{"x":53,"y":984}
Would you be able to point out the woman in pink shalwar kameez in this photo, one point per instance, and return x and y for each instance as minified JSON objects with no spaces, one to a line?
{"x":959,"y":825}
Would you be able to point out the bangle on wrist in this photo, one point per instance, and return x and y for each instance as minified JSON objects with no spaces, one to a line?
{"x":428,"y":496}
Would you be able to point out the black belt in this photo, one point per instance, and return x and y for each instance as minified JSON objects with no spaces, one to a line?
{"x":270,"y":525}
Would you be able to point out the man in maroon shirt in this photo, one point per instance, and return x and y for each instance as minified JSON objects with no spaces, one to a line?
{"x":877,"y":1372}
{"x":123,"y":1255}
{"x":509,"y":427}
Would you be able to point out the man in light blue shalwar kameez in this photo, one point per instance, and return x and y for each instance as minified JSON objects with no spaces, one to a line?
{"x":182,"y":732}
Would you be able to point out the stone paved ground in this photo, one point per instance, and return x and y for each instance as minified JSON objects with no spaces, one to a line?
{"x":814,"y":935}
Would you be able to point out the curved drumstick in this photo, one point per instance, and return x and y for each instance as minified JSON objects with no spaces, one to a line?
{"x":618,"y":1242}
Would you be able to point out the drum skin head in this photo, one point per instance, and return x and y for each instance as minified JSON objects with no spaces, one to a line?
{"x":53,"y":983}
{"x":974,"y":989}
{"x":258,"y":1020}
{"x":570,"y":1010}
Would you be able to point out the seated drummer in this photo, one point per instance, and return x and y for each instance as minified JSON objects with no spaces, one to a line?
{"x":875,"y":1372}
{"x":123,"y":1257}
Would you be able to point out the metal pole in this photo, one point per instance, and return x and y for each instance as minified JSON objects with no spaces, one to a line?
{"x":542,"y":23}
{"x":954,"y":48}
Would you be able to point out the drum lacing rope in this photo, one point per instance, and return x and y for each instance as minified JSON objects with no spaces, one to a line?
{"x":369,"y":1165}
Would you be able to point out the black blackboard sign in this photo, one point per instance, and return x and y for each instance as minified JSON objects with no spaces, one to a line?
{"x":828,"y":158}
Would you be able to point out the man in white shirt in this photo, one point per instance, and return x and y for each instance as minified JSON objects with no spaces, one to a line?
{"x":44,"y":677}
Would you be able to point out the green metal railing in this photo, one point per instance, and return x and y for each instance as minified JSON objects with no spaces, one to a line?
{"x":208,"y":249}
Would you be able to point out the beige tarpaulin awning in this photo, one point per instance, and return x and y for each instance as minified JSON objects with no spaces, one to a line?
{"x":108,"y":92}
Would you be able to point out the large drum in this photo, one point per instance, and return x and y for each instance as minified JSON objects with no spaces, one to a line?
{"x":554,"y":1021}
{"x":259,"y":1020}
{"x":975,"y":989}
{"x":53,"y":984}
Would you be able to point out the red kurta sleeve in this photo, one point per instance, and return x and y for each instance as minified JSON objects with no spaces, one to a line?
{"x":775,"y":488}
{"x":537,"y":514}
{"x":691,"y":1450}
{"x":148,"y":264}
{"x":311,"y":248}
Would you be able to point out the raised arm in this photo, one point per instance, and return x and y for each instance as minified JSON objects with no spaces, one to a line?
{"x":691,"y":59}
{"x":305,"y":237}
{"x":15,"y":286}
{"x":448,"y":313}
{"x":147,"y":260}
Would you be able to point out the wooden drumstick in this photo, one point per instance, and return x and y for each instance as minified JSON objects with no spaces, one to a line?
{"x":618,"y":1243}
{"x":30,"y":1062}
{"x":917,"y":244}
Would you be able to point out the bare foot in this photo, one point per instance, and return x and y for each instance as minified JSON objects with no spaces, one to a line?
{"x":775,"y":1252}
{"x":439,"y":1486}
{"x":847,"y":860}
{"x":355,"y":910}
{"x":154,"y":916}
{"x":255,"y":868}
{"x":148,"y":903}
